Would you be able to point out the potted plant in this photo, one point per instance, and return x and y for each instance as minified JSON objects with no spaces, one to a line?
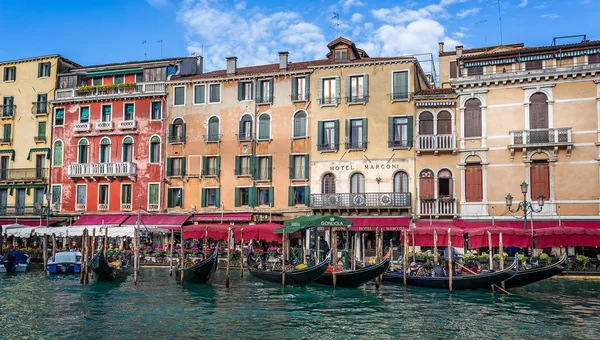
{"x":245,"y":251}
{"x":467,"y":258}
{"x":421,"y":256}
{"x":159,"y":252}
{"x":583,"y":261}
{"x":234,"y":254}
{"x":483,"y":257}
{"x":545,"y":259}
{"x":194,"y":251}
{"x":272,"y":252}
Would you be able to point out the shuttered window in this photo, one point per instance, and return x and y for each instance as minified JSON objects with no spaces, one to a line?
{"x":473,"y":183}
{"x":475,"y":71}
{"x":540,"y":180}
{"x":538,"y":118}
{"x":426,"y":123}
{"x":444,"y":123}
{"x":426,"y":185}
{"x":594,"y":58}
{"x":534,"y":65}
{"x":453,"y":69}
{"x":472,"y":118}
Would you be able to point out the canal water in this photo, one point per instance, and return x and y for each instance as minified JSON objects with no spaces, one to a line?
{"x":35,"y":306}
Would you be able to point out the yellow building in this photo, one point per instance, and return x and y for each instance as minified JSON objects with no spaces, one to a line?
{"x":26,"y":88}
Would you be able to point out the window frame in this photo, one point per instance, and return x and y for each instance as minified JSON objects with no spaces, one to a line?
{"x":195,"y":102}
{"x":260,"y":190}
{"x":56,"y":200}
{"x":107,"y":186}
{"x":62,"y":153}
{"x":175,"y":88}
{"x":130,"y":194}
{"x":152,"y":110}
{"x":89,"y":110}
{"x":7,"y":70}
{"x":87,"y":155}
{"x":55,"y":124}
{"x":213,"y":137}
{"x":158,"y":156}
{"x":335,"y":55}
{"x":102,"y":112}
{"x":172,"y":190}
{"x":125,"y":110}
{"x":295,"y":196}
{"x":305,"y":132}
{"x":77,"y":196}
{"x":132,"y":150}
{"x":358,"y":99}
{"x":207,"y":192}
{"x":45,"y":74}
{"x":393,"y":94}
{"x":241,"y":203}
{"x":158,"y":196}
{"x":109,"y":150}
{"x":333,"y":99}
{"x":220,"y":93}
{"x":259,"y":130}
{"x":247,"y":95}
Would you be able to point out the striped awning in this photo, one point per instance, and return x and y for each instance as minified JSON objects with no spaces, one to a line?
{"x":114,"y":72}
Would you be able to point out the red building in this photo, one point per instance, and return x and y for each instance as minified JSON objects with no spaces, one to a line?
{"x":109,"y":133}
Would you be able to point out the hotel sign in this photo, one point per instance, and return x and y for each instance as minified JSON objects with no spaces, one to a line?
{"x":382,"y":165}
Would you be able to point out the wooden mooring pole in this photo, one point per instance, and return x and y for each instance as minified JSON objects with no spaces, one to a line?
{"x":450,"y":262}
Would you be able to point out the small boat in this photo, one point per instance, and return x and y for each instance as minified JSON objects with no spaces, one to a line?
{"x":109,"y":271}
{"x":528,"y":276}
{"x":65,"y":262}
{"x":459,"y":282}
{"x":201,"y":271}
{"x":14,"y":262}
{"x":355,"y":278}
{"x":293,"y":277}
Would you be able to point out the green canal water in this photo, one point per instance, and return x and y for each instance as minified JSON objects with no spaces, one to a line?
{"x":35,"y":306}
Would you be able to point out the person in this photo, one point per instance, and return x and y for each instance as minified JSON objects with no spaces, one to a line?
{"x":401,"y":251}
{"x":323,"y":247}
{"x":446,"y":258}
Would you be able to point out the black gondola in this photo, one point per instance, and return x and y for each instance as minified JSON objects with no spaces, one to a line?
{"x":294,"y":277}
{"x":528,"y":276}
{"x":459,"y":282}
{"x":355,"y":278}
{"x":201,"y":271}
{"x":105,"y":271}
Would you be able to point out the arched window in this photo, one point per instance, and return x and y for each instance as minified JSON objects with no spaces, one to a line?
{"x":401,"y":182}
{"x":538,"y":118}
{"x":472,"y":121}
{"x":426,"y":123}
{"x":300,"y":124}
{"x":82,"y":151}
{"x":328,"y":184}
{"x":213,"y":129}
{"x":444,"y":123}
{"x":105,"y":150}
{"x":445,"y":184}
{"x":128,"y":149}
{"x":357,"y":183}
{"x":155,"y":149}
{"x":426,"y":185}
{"x":245,"y":131}
{"x":264,"y":126}
{"x":177,"y":131}
{"x":473,"y":180}
{"x":57,"y":158}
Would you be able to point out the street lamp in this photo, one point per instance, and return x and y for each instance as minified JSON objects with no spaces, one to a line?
{"x":48,"y":197}
{"x":526,"y":206}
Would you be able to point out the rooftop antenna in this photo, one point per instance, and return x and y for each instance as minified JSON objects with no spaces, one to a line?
{"x":486,"y":30}
{"x":499,"y":18}
{"x":161,"y":42}
{"x":144,"y":43}
{"x":336,"y":23}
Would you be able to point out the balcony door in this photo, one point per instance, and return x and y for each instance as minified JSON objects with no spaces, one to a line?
{"x":4,"y":161}
{"x":3,"y":201}
{"x":38,"y":201}
{"x":39,"y":166}
{"x":20,"y":202}
{"x":538,"y":119}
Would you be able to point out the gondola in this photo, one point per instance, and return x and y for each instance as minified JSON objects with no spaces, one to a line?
{"x":528,"y":276}
{"x":354,"y":278}
{"x":459,"y":282}
{"x":201,"y":271}
{"x":105,"y":271}
{"x":294,"y":277}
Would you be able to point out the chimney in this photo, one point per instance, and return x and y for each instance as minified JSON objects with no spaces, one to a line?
{"x":441,"y":46}
{"x":283,"y":61}
{"x":459,"y":50}
{"x":231,"y":65}
{"x":199,"y":64}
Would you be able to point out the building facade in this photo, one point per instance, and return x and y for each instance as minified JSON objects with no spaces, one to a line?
{"x":26,"y":89}
{"x":109,"y":135}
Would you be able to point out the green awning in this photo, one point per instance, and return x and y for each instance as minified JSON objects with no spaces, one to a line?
{"x":115,"y":72}
{"x":306,"y":222}
{"x":10,"y":151}
{"x":36,"y":150}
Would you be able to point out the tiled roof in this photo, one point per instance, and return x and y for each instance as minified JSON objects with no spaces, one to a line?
{"x":129,"y":62}
{"x":482,"y":49}
{"x":533,"y":50}
{"x":340,"y":40}
{"x":38,"y":58}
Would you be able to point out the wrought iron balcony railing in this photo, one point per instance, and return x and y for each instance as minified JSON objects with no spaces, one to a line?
{"x":541,"y":137}
{"x":39,"y":108}
{"x":329,"y":100}
{"x":357,"y":145}
{"x":364,"y":200}
{"x":212,"y":138}
{"x":399,"y":144}
{"x":176,"y":139}
{"x":7,"y":111}
{"x":357,"y":99}
{"x":328,"y":147}
{"x":300,"y":97}
{"x":399,"y":96}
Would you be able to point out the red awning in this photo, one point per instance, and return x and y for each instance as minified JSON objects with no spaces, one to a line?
{"x":259,"y":232}
{"x":510,"y":224}
{"x":170,"y":222}
{"x":511,"y":237}
{"x":215,"y":231}
{"x":566,"y":236}
{"x":384,"y":223}
{"x":29,"y":223}
{"x":578,"y":224}
{"x":227,"y":217}
{"x":424,"y":236}
{"x":107,"y":220}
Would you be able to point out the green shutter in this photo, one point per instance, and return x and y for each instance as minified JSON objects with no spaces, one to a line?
{"x":183,"y":133}
{"x":290,"y":196}
{"x":307,"y":82}
{"x":169,"y":166}
{"x":252,"y":197}
{"x":338,"y":90}
{"x":347,"y":85}
{"x":365,"y":136}
{"x":366,"y":87}
{"x":258,"y":89}
{"x":347,"y":131}
{"x":8,"y":131}
{"x":320,"y":89}
{"x":183,"y":166}
{"x":307,"y":195}
{"x":169,"y":198}
{"x":319,"y":134}
{"x":218,"y":165}
{"x":271,"y":196}
{"x":410,"y":131}
{"x":238,"y":170}
{"x":292,"y":167}
{"x":40,"y":70}
{"x":252,"y":169}
{"x":306,"y":166}
{"x":294,"y":90}
{"x":240,"y":90}
{"x":269,"y":167}
{"x":171,"y":131}
{"x":218,"y":197}
{"x":203,"y":199}
{"x":390,"y":129}
{"x":271,"y":91}
{"x":204,"y":165}
{"x":240,"y":129}
{"x":337,"y":132}
{"x":236,"y":198}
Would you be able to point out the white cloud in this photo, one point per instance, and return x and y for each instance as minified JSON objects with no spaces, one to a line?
{"x":158,"y":3}
{"x":347,"y":4}
{"x":397,"y":15}
{"x":540,"y":6}
{"x":240,"y":5}
{"x":523,"y":3}
{"x":459,"y":35}
{"x":550,"y":16}
{"x":467,"y":12}
{"x":357,"y":17}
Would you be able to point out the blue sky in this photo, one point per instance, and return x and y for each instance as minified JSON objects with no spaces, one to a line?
{"x":94,"y":32}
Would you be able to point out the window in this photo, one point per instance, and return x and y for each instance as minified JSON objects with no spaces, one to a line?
{"x":57,"y":151}
{"x":245,"y":90}
{"x":126,"y":196}
{"x":103,"y":194}
{"x":540,"y":180}
{"x":69,"y":82}
{"x":264,"y":126}
{"x":357,"y":183}
{"x":329,"y":92}
{"x":400,"y":86}
{"x":139,"y":77}
{"x":444,"y":123}
{"x":426,"y":123}
{"x":56,"y":195}
{"x":299,"y":166}
{"x":155,"y":74}
{"x":300,"y":124}
{"x":265,"y":196}
{"x":156,"y":113}
{"x":356,"y":134}
{"x":245,"y":128}
{"x":97,"y":81}
{"x":81,"y":196}
{"x":128,"y":111}
{"x":265,"y":91}
{"x":299,"y":195}
{"x":356,"y":89}
{"x":41,"y":135}
{"x":176,"y":166}
{"x":42,"y":103}
{"x":328,"y":184}
{"x":155,"y":149}
{"x":399,"y":132}
{"x":105,"y":150}
{"x":472,"y":121}
{"x":153,"y":196}
{"x":7,"y":137}
{"x":475,"y":71}
{"x":328,"y":136}
{"x":213,"y":130}
{"x":400,"y":182}
{"x":594,"y":58}
{"x":179,"y":96}
{"x":243,"y":164}
{"x":8,"y":107}
{"x":538,"y":119}
{"x":10,"y":73}
{"x":128,"y":149}
{"x":453,"y":69}
{"x":84,"y":114}
{"x":82,"y":151}
{"x":426,"y":185}
{"x":210,"y":197}
{"x":341,"y":55}
{"x":214,"y":95}
{"x":242,"y":197}
{"x":119,"y":79}
{"x":199,"y":94}
{"x":175,"y":198}
{"x":263,"y":171}
{"x":59,"y":116}
{"x":534,"y":65}
{"x":300,"y":90}
{"x":473,"y":183}
{"x":106,"y":113}
{"x":177,"y":131}
{"x":445,"y":184}
{"x":211,"y":165}
{"x":44,"y":69}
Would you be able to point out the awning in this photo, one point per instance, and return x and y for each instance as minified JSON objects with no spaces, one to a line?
{"x":260,"y":232}
{"x":58,"y":231}
{"x":424,"y":236}
{"x":17,"y":230}
{"x":384,"y":223}
{"x":567,"y":237}
{"x":39,"y":150}
{"x":9,"y":151}
{"x":170,"y":222}
{"x":511,"y":237}
{"x":101,"y":220}
{"x":305,"y":222}
{"x":114,"y":72}
{"x":511,"y":224}
{"x":129,"y":231}
{"x":227,"y":217}
{"x":215,"y":231}
{"x":29,"y":223}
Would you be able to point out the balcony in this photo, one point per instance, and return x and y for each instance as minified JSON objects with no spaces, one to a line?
{"x":7,"y":111}
{"x":94,"y":171}
{"x":264,"y":100}
{"x":437,"y":207}
{"x":127,"y":124}
{"x":176,"y":139}
{"x":399,"y":144}
{"x":245,"y":137}
{"x":23,"y":210}
{"x":541,"y":138}
{"x":329,"y":101}
{"x":39,"y":139}
{"x":113,"y":92}
{"x":328,"y":147}
{"x":6,"y":140}
{"x":82,"y":127}
{"x":39,"y":108}
{"x":436,"y":143}
{"x":23,"y":175}
{"x":354,"y":146}
{"x":300,"y":97}
{"x":366,"y":201}
{"x":210,"y":172}
{"x":357,"y":99}
{"x":104,"y":126}
{"x":399,"y":96}
{"x":212,"y":138}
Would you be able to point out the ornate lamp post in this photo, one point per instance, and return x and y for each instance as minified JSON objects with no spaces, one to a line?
{"x":526,"y":206}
